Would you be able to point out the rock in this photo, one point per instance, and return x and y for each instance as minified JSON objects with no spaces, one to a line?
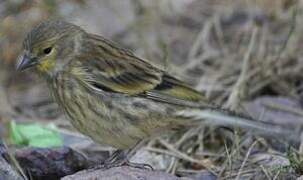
{"x":157,"y":161}
{"x":50,"y":163}
{"x":300,"y":178}
{"x":284,"y":111}
{"x":205,"y":175}
{"x":122,"y":172}
{"x":6,"y":171}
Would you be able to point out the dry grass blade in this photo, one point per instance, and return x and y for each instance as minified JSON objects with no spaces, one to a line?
{"x":245,"y":159}
{"x":15,"y":163}
{"x":184,"y":156}
{"x":240,"y":87}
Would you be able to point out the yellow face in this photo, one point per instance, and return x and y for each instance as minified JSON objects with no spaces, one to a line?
{"x":46,"y":54}
{"x":45,"y":43}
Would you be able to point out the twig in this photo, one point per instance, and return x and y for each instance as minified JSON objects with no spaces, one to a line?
{"x":265,"y":172}
{"x":201,"y":36}
{"x":245,"y":159}
{"x":220,"y":34}
{"x":233,"y":100}
{"x":290,"y":32}
{"x":184,"y":156}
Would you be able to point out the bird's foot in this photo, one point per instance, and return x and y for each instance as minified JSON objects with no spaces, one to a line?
{"x":138,"y":165}
{"x":119,"y":158}
{"x":108,"y":165}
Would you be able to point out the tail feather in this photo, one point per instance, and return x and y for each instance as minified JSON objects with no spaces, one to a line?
{"x":225,"y":118}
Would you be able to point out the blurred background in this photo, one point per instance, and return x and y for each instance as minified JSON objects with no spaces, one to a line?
{"x":244,"y":55}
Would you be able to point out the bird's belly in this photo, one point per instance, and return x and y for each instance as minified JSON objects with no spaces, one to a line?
{"x":120,"y":122}
{"x":102,"y":124}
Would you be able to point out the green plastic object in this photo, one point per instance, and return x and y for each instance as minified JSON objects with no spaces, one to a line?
{"x":34,"y":134}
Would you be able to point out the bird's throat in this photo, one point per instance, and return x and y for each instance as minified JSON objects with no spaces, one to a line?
{"x":45,"y":65}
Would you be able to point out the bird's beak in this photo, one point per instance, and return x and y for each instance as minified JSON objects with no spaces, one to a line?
{"x":24,"y":62}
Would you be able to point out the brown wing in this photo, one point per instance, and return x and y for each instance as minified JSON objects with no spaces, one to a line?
{"x":114,"y":69}
{"x":117,"y":69}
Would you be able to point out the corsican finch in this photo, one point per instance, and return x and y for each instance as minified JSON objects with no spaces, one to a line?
{"x":108,"y":93}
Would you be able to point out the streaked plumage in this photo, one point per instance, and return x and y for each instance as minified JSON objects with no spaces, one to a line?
{"x":107,"y":92}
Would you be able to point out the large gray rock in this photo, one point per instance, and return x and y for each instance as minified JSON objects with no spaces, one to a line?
{"x":122,"y":172}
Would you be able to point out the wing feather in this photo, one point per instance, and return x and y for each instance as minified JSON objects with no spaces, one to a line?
{"x":110,"y":68}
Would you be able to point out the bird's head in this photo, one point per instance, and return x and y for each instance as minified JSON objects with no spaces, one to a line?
{"x":49,"y":46}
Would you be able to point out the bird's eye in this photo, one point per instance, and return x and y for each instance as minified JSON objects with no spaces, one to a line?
{"x":47,"y":50}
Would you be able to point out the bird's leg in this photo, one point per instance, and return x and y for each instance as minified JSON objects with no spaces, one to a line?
{"x":117,"y":158}
{"x":121,"y":158}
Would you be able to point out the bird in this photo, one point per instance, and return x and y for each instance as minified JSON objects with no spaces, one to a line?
{"x":113,"y":96}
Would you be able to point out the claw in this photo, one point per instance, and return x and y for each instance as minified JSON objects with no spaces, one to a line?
{"x":108,"y":165}
{"x":120,"y":158}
